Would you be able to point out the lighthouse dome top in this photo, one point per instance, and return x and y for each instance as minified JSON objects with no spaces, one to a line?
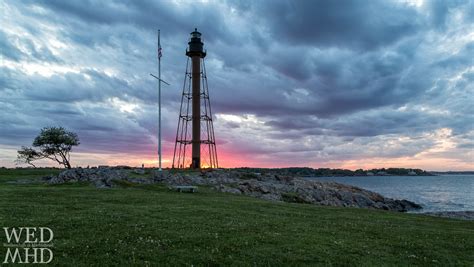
{"x":196,"y":46}
{"x":195,"y":34}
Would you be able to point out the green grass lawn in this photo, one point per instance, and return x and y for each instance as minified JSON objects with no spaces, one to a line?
{"x":150,"y":225}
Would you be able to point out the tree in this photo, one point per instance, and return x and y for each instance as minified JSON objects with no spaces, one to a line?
{"x":52,"y":143}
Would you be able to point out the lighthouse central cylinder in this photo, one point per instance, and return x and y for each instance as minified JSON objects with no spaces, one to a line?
{"x":196,"y":117}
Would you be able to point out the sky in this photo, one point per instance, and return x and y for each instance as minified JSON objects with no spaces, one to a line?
{"x":338,"y":84}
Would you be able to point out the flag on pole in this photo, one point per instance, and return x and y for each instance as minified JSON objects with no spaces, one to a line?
{"x":159,"y":47}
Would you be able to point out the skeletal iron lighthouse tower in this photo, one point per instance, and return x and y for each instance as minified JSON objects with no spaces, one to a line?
{"x":195,"y":93}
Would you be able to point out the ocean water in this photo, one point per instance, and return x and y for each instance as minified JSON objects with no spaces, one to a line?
{"x":434,"y":193}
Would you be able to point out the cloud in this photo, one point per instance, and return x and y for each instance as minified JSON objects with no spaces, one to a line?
{"x":291,"y":83}
{"x":8,"y":49}
{"x":340,"y":24}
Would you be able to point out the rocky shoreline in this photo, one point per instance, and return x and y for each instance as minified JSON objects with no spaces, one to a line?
{"x":269,"y":186}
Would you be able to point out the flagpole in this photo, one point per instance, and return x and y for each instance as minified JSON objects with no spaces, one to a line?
{"x":159,"y":101}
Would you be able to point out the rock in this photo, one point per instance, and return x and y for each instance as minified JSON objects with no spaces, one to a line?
{"x":227,"y":189}
{"x":322,"y":193}
{"x":381,"y":205}
{"x":184,"y":179}
{"x":160,"y":176}
{"x":363,"y":201}
{"x":283,"y":179}
{"x":344,"y":196}
{"x":408,"y":205}
{"x":139,"y":171}
{"x":100,"y":177}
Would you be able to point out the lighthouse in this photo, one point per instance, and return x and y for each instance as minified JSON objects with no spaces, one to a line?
{"x":195,"y":124}
{"x":195,"y":52}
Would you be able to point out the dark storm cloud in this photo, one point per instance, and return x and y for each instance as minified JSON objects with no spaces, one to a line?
{"x":365,"y":124}
{"x":352,"y":23}
{"x":294,"y":63}
{"x":147,"y":15}
{"x":326,"y":72}
{"x":336,"y":82}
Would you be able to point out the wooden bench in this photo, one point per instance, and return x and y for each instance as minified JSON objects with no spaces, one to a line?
{"x":186,"y":188}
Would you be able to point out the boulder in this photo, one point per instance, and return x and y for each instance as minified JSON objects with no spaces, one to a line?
{"x":228,"y":189}
{"x":100,"y":177}
{"x":139,"y":171}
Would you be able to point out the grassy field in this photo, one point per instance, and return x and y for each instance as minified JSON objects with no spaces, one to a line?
{"x":150,"y":225}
